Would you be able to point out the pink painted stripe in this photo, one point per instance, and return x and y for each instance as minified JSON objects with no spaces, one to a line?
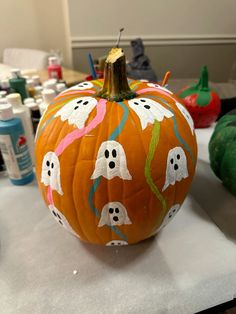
{"x":75,"y":91}
{"x":71,"y":137}
{"x":150,"y":89}
{"x":49,"y":196}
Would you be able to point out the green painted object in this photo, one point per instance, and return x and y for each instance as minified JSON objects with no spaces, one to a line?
{"x":222,"y":150}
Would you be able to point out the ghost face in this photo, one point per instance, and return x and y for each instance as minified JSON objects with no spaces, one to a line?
{"x":77,"y":111}
{"x":111,"y":162}
{"x":61,"y":219}
{"x":82,"y":86}
{"x":149,"y":110}
{"x":169,"y":216}
{"x":157,"y":86}
{"x":176,"y":168}
{"x":187,"y":116}
{"x":114,"y":214}
{"x":117,"y":243}
{"x":50,"y":175}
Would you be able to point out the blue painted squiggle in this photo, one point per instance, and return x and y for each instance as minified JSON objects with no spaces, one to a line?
{"x":97,"y":182}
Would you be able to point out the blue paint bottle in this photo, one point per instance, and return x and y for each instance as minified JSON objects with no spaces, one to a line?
{"x":14,"y":148}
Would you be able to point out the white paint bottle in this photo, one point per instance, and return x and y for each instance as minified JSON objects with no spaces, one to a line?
{"x":22,"y":112}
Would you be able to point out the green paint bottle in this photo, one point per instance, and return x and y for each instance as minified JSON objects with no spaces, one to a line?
{"x":18,"y":84}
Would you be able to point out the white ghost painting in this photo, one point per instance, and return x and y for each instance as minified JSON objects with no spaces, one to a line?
{"x":186,"y":115}
{"x":176,"y":167}
{"x":114,"y":214}
{"x":157,"y":86}
{"x":149,"y":110}
{"x":61,"y":219}
{"x":117,"y":243}
{"x":82,"y":86}
{"x":111,"y":162}
{"x":168,"y":217}
{"x":50,"y":175}
{"x":77,"y":111}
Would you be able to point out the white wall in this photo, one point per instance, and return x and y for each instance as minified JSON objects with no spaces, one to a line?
{"x":35,"y":24}
{"x":152,"y":17}
{"x":179,"y":34}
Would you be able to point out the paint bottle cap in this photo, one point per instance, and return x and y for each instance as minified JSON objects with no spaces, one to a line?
{"x":38,"y":90}
{"x":50,"y":84}
{"x":32,"y":106}
{"x":3,"y":93}
{"x":5,"y":83}
{"x":48,"y":95}
{"x":39,"y":100}
{"x":30,"y":83}
{"x":15,"y":73}
{"x":61,"y":87}
{"x":6,"y":112}
{"x":3,"y":101}
{"x":52,"y":60}
{"x":14,"y":99}
{"x":28,"y":100}
{"x":36,"y":80}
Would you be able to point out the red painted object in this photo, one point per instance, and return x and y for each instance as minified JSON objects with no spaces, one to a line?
{"x":54,"y":69}
{"x":202,"y":103}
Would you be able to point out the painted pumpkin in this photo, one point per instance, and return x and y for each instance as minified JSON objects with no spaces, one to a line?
{"x":222,"y":149}
{"x":202,"y":103}
{"x":115,"y":159}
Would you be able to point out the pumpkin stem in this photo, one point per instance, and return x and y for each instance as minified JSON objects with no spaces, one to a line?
{"x":203,"y":82}
{"x":118,"y":39}
{"x":115,"y":86}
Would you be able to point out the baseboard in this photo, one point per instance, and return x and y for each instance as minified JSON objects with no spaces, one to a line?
{"x":162,"y":40}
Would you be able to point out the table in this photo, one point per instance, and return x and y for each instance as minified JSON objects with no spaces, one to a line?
{"x":188,"y":267}
{"x":70,"y":76}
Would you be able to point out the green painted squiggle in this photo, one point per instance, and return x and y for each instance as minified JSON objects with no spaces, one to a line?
{"x":152,"y":147}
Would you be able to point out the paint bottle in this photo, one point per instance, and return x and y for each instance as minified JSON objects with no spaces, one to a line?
{"x":35,"y":113}
{"x":36,"y":80}
{"x":18,"y":83}
{"x":22,"y":112}
{"x":50,"y":84}
{"x":3,"y":93}
{"x":54,"y":68}
{"x":60,"y":87}
{"x":14,"y":148}
{"x":5,"y":86}
{"x":30,"y":87}
{"x":48,"y":96}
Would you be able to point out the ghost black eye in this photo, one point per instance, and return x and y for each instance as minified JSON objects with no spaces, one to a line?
{"x":85,"y":103}
{"x":47,"y":163}
{"x":114,"y":153}
{"x":79,"y":101}
{"x":106,"y":153}
{"x":111,"y":210}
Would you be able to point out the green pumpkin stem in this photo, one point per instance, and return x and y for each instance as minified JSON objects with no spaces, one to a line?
{"x":115,"y":87}
{"x":203,"y":81}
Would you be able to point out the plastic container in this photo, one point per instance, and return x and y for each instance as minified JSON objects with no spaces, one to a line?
{"x":50,"y":84}
{"x":35,"y":114}
{"x":5,"y":86}
{"x":54,"y":68}
{"x":36,"y":80}
{"x":18,"y":83}
{"x":14,"y":148}
{"x":61,"y":87}
{"x":22,"y":112}
{"x":30,"y":87}
{"x":48,"y":96}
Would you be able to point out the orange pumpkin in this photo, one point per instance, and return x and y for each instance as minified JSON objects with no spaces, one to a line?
{"x":115,"y":159}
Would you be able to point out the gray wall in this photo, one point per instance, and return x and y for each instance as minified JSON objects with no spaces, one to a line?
{"x":184,"y":61}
